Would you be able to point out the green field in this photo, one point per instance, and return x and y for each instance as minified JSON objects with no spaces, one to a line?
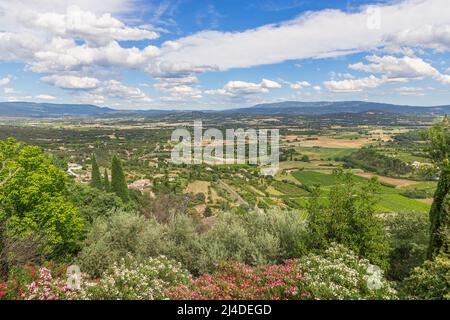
{"x":390,"y":199}
{"x":325,"y":153}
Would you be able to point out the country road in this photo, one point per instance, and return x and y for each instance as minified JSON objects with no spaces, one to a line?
{"x":233,"y":193}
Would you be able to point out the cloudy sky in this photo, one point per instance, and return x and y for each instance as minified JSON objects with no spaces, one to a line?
{"x":205,"y":54}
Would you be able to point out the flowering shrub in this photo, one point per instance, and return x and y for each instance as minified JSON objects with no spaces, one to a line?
{"x":339,"y":274}
{"x":431,"y":281}
{"x":134,"y":279}
{"x":236,"y":280}
{"x":32,"y":283}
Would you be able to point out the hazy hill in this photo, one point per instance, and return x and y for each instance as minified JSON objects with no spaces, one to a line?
{"x":296,"y":107}
{"x":50,"y":110}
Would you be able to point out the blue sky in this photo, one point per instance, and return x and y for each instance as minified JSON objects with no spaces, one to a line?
{"x":204,"y":54}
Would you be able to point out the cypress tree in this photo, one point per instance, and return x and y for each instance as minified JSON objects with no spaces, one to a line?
{"x":118,"y":183}
{"x":96,"y":178}
{"x":107,"y":185}
{"x":439,"y":151}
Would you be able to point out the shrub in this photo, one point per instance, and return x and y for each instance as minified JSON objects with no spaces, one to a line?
{"x":92,"y":202}
{"x":339,"y":274}
{"x":136,"y":279}
{"x":349,"y":219}
{"x":336,"y":274}
{"x":431,"y":280}
{"x":408,"y":238}
{"x":253,"y":238}
{"x":236,"y":281}
{"x":29,"y":282}
{"x":111,"y":238}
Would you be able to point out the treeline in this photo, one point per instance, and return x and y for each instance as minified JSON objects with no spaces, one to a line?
{"x":370,"y":160}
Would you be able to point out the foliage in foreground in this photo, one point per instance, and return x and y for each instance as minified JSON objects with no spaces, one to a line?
{"x":408,"y":235}
{"x":349,"y":219}
{"x":33,"y":201}
{"x":431,"y":281}
{"x":135,"y":279}
{"x":337,"y":274}
{"x":29,"y":282}
{"x":254,"y":238}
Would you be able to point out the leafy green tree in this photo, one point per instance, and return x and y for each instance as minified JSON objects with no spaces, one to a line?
{"x":118,"y":182}
{"x":96,"y":178}
{"x":439,"y":151}
{"x":32,"y":199}
{"x":349,"y":219}
{"x":93,"y":203}
{"x":106,"y":183}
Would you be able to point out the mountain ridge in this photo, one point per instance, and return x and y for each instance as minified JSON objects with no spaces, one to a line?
{"x":53,"y":110}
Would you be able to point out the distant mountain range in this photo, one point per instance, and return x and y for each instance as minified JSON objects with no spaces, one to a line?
{"x":305,"y":108}
{"x":50,"y":110}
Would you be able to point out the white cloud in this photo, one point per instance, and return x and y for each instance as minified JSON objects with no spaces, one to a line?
{"x":429,"y":36}
{"x":394,"y":67}
{"x":300,"y":85}
{"x":242,"y":88}
{"x":45,"y":97}
{"x":352,"y":85}
{"x":5,"y":81}
{"x":405,"y":68}
{"x":116,"y":90}
{"x":327,"y":33}
{"x":317,"y":88}
{"x":78,"y":47}
{"x":410,"y":91}
{"x":182,"y":93}
{"x":77,"y":23}
{"x":63,"y":55}
{"x":72,"y":82}
{"x":9,"y":90}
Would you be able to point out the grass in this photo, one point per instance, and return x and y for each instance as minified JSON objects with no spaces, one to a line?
{"x":289,"y":189}
{"x":325,"y":153}
{"x":399,"y":203}
{"x":390,"y":199}
{"x":311,"y":178}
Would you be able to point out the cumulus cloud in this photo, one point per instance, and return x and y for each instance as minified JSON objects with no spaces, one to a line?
{"x":73,"y":45}
{"x":45,"y":97}
{"x":77,"y":23}
{"x":72,"y":82}
{"x":299,"y":85}
{"x":242,"y":88}
{"x":405,"y":68}
{"x":115,"y":89}
{"x":393,"y":67}
{"x":97,"y":90}
{"x":9,"y":90}
{"x":410,"y":91}
{"x":334,"y":33}
{"x":353,"y":85}
{"x":5,"y":81}
{"x":65,"y":55}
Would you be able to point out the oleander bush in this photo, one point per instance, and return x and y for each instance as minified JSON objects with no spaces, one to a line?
{"x":336,"y":274}
{"x":29,"y":282}
{"x":136,"y":279}
{"x":236,"y":280}
{"x":339,"y":274}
